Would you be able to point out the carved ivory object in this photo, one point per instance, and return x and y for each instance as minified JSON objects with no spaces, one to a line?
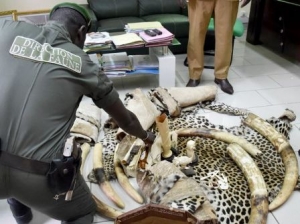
{"x":163,"y":129}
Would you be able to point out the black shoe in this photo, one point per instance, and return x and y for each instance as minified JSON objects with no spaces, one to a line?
{"x":193,"y":83}
{"x":21,"y":213}
{"x":225,"y":85}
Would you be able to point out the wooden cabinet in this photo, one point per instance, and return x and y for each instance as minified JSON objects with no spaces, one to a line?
{"x":291,"y":32}
{"x":272,"y":27}
{"x":279,"y":26}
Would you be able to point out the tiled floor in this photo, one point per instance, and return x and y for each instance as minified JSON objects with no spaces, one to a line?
{"x":264,"y":82}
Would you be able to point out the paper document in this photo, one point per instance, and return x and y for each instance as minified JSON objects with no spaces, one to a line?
{"x":143,"y":25}
{"x":127,"y":39}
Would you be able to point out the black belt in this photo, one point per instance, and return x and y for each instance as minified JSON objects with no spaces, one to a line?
{"x":24,"y":164}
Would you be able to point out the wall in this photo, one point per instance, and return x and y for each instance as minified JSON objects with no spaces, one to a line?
{"x":28,"y":5}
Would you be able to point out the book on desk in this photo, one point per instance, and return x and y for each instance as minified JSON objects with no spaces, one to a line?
{"x":97,"y":41}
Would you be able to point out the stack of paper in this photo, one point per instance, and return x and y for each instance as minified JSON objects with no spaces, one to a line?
{"x":159,"y":40}
{"x":97,"y":41}
{"x":115,"y":62}
{"x":141,"y":26}
{"x":127,"y":40}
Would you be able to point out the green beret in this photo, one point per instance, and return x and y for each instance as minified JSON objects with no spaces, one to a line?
{"x":76,"y":7}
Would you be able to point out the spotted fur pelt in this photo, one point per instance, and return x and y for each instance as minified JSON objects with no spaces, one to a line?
{"x":232,"y":205}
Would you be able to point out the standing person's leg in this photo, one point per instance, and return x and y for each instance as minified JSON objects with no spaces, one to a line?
{"x":225,"y":17}
{"x":33,"y":191}
{"x":199,"y":15}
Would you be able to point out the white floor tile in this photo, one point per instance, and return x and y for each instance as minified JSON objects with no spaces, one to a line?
{"x":281,"y":95}
{"x":259,"y":70}
{"x":271,"y":219}
{"x":294,"y":138}
{"x":239,"y":61}
{"x":289,"y":213}
{"x":286,"y":80}
{"x":253,"y":83}
{"x":269,"y":111}
{"x":238,"y":44}
{"x":208,"y":74}
{"x":246,"y":100}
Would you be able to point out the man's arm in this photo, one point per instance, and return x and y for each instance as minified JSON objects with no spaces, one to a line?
{"x":106,"y":97}
{"x":128,"y":121}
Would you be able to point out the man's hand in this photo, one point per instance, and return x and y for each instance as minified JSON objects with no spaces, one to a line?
{"x":149,"y":138}
{"x":244,"y":3}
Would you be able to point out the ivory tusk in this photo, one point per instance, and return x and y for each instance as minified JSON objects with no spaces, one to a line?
{"x":258,"y":188}
{"x":286,"y":152}
{"x":163,"y":128}
{"x":220,"y":135}
{"x":124,"y":182}
{"x":106,"y":210}
{"x":101,"y":179}
{"x":85,"y":148}
{"x":267,"y":130}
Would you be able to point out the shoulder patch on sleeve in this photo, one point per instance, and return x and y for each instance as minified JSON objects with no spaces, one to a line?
{"x":31,"y":49}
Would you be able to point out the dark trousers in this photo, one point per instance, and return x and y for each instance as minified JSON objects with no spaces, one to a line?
{"x":32,"y":190}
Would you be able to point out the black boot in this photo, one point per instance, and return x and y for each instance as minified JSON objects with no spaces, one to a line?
{"x":22,"y":213}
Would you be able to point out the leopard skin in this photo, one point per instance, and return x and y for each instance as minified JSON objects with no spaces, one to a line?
{"x":231,"y":205}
